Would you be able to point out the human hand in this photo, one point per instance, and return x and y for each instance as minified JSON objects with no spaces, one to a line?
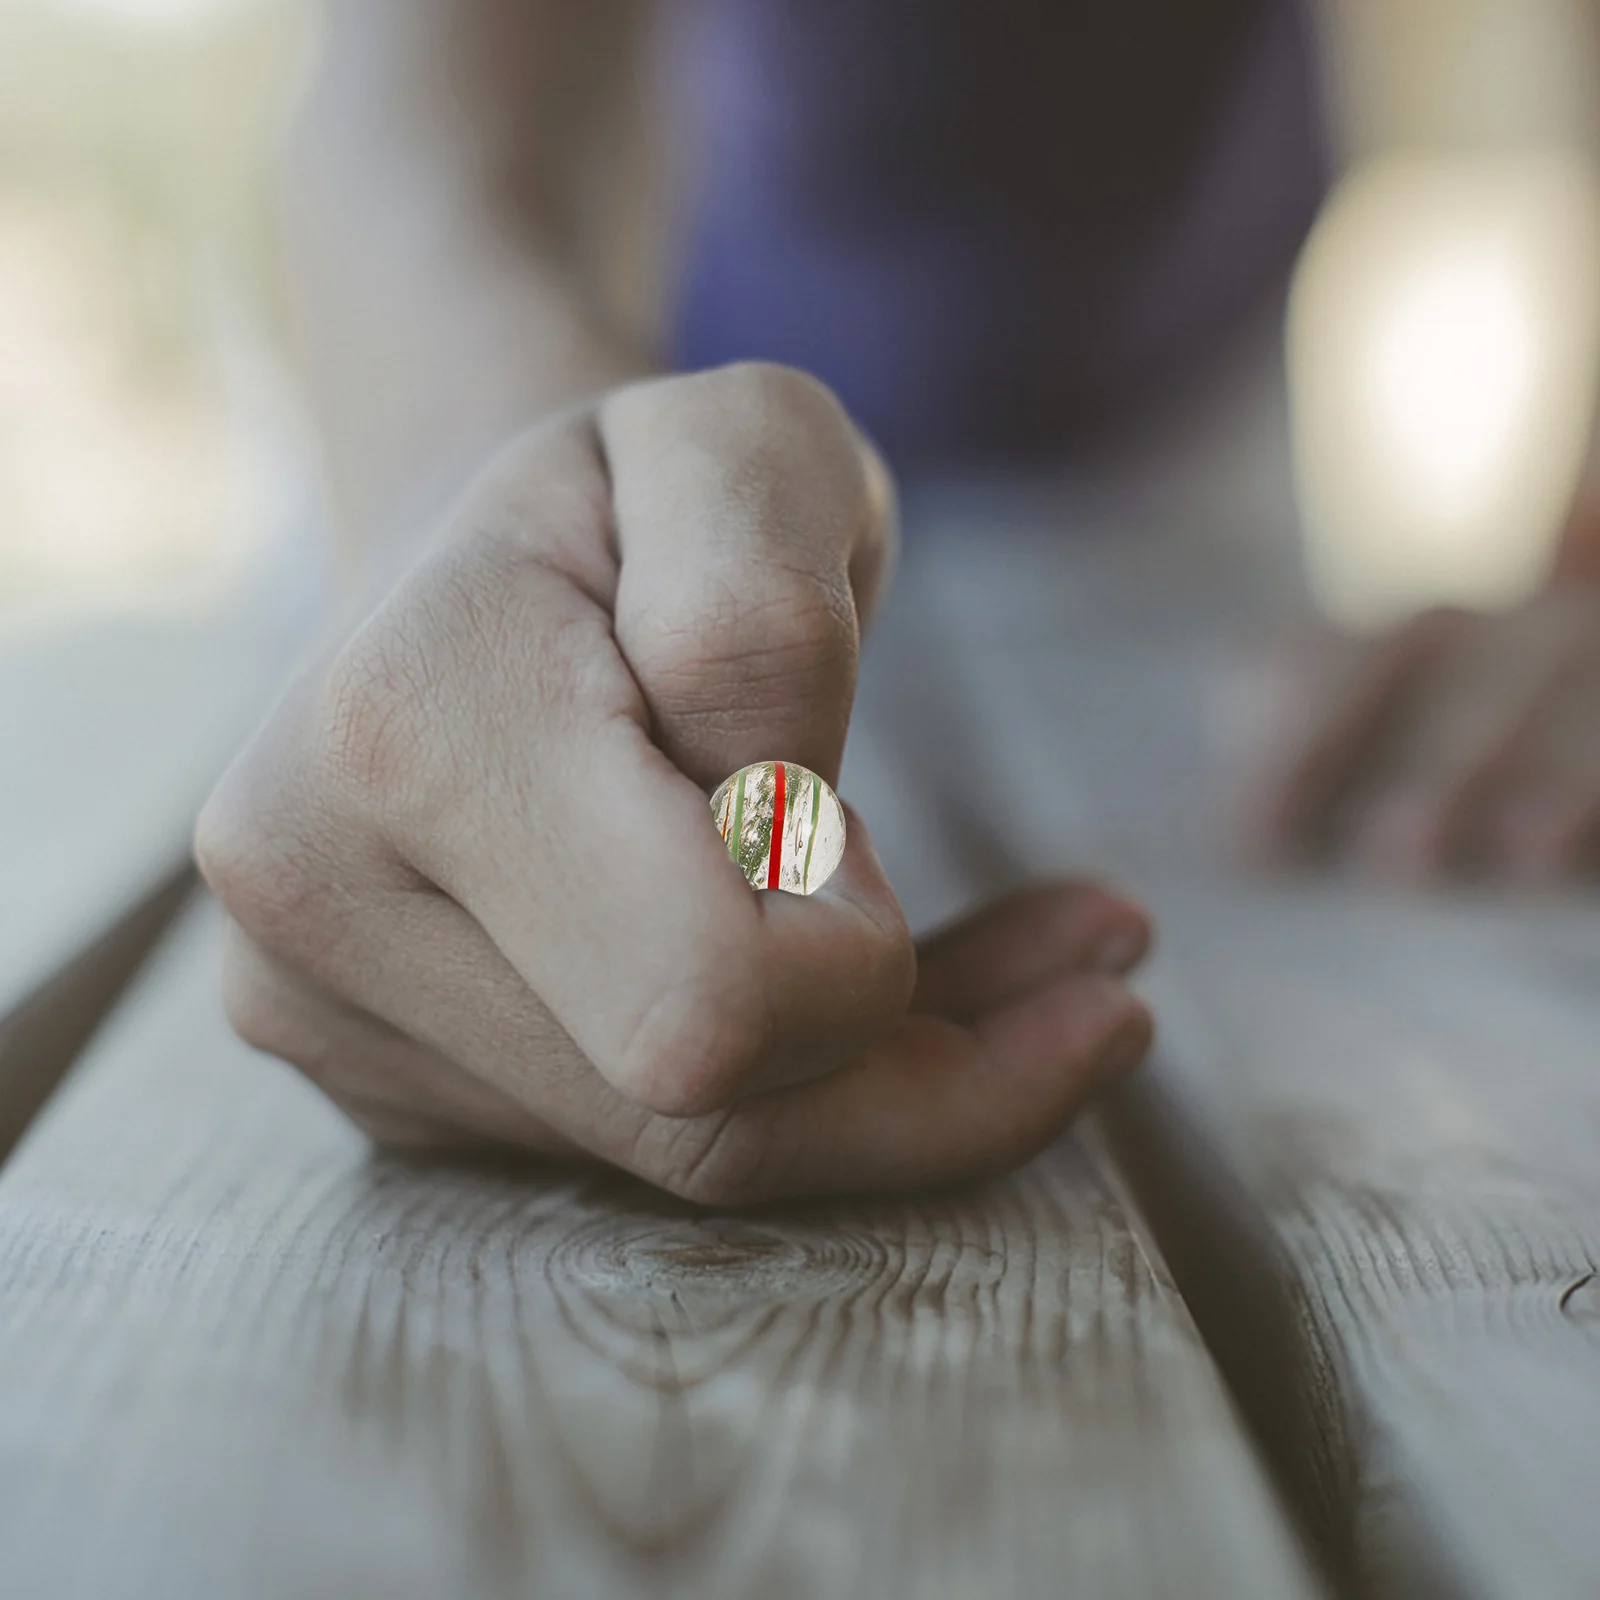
{"x":1462,"y":746}
{"x":476,"y":892}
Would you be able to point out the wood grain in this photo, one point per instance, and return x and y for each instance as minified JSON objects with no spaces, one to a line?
{"x":1370,"y":1141}
{"x":1410,"y":1094}
{"x":240,"y":1355}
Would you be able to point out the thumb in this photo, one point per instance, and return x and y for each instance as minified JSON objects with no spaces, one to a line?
{"x":753,"y":527}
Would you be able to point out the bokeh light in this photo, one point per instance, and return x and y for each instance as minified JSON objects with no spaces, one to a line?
{"x":1444,"y":343}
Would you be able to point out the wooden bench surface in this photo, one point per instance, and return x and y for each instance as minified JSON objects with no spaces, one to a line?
{"x":112,"y":731}
{"x":1368,"y":1141}
{"x":1409,"y":1095}
{"x":240,"y":1354}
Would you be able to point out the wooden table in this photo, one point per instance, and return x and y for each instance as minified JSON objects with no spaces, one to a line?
{"x":1308,"y":1308}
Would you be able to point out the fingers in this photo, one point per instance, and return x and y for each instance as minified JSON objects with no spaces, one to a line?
{"x":753,"y":526}
{"x":399,"y":1091}
{"x":1303,"y":810}
{"x":1468,"y":746}
{"x":398,"y":950}
{"x":1472,"y":738}
{"x":1540,"y":822}
{"x":1015,"y":944}
{"x":934,"y":1102}
{"x":1578,"y":560}
{"x":1551,"y":835}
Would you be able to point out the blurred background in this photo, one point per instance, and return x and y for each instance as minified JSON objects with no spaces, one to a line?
{"x":150,"y":450}
{"x":1444,"y":328}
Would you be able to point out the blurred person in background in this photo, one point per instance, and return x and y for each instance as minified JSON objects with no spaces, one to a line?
{"x":874,"y":235}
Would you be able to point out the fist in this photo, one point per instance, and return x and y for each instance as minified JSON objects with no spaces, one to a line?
{"x":474,"y":885}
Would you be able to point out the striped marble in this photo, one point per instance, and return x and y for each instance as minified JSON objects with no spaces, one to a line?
{"x":782,"y":824}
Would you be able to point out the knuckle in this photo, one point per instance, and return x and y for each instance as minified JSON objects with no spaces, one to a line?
{"x":268,"y":1009}
{"x":323,"y":786}
{"x":773,"y":438}
{"x":795,"y":439}
{"x":692,"y":1050}
{"x":221,"y":848}
{"x":261,"y":1012}
{"x":372,"y":718}
{"x":770,"y":391}
{"x":790,"y":638}
{"x":249,"y":854}
{"x":890,"y":971}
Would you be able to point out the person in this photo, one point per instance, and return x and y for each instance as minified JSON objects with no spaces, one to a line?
{"x":471,"y":889}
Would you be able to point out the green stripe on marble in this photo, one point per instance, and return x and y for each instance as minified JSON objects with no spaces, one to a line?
{"x":805,"y":873}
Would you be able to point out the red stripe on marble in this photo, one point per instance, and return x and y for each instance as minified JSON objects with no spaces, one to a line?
{"x":775,"y":854}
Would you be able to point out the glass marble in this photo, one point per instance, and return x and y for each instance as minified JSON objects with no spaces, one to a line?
{"x":783,"y":825}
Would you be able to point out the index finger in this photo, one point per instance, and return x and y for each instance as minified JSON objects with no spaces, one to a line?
{"x":755,"y":527}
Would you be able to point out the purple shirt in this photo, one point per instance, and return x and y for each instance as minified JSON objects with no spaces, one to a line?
{"x":996,"y":228}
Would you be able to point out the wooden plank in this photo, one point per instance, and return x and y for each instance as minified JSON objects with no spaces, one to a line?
{"x":1369,"y":1140}
{"x":239,"y":1354}
{"x":1409,"y":1094}
{"x":112,"y":732}
{"x":41,"y":1036}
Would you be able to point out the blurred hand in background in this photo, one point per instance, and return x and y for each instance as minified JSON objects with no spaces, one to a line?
{"x":1460,"y":747}
{"x":1444,"y":364}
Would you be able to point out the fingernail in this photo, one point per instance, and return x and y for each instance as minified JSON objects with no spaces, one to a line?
{"x":1117,"y":952}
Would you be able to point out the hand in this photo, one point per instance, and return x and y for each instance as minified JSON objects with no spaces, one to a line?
{"x":476,"y":892}
{"x":1463,"y":746}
